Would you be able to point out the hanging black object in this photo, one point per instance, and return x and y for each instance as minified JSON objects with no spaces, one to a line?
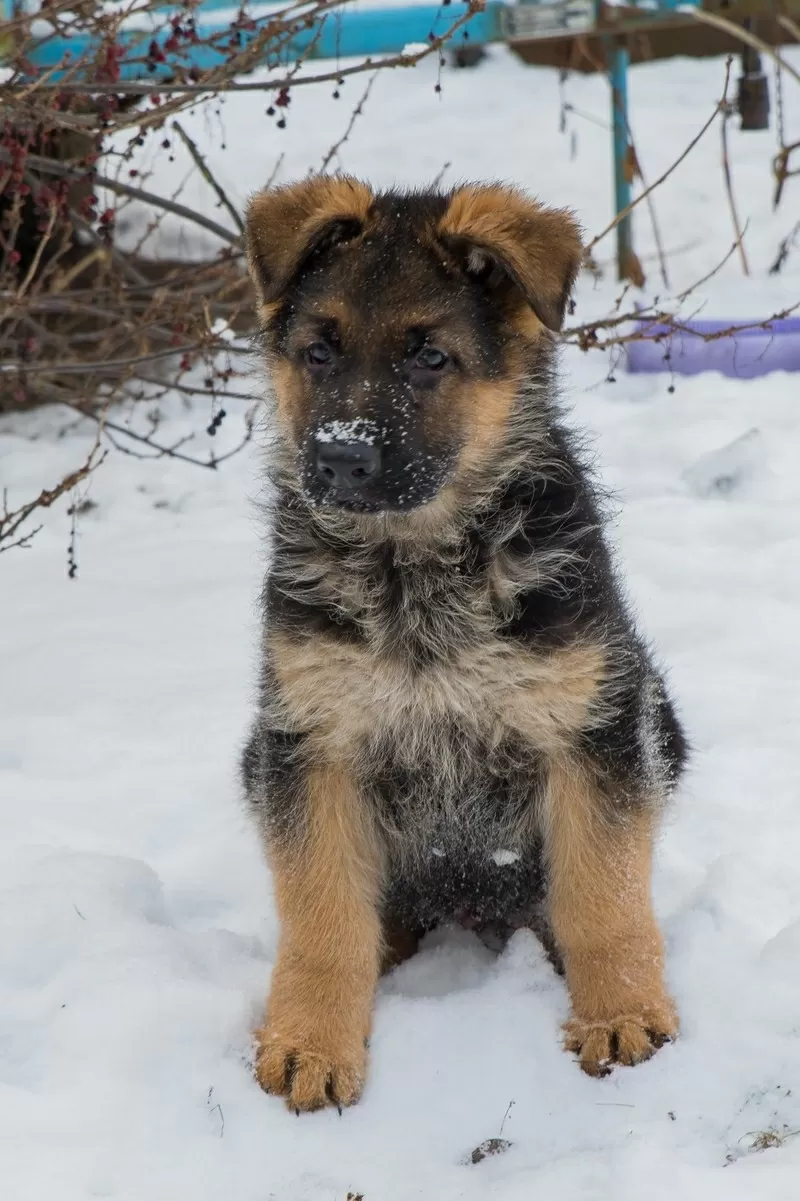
{"x":468,"y":56}
{"x":753,"y":98}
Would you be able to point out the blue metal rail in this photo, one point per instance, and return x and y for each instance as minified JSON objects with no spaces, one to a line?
{"x":347,"y":33}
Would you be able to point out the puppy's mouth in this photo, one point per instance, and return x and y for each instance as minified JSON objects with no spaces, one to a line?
{"x":367,"y":500}
{"x":360,"y":503}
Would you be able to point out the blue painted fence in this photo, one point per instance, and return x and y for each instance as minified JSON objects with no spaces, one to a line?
{"x":350,"y":32}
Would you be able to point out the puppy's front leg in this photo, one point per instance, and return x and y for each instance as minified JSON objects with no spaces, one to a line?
{"x":601,"y":912}
{"x":312,"y":1048}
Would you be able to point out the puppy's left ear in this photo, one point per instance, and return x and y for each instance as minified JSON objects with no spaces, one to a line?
{"x":499,"y":234}
{"x":285,"y":226}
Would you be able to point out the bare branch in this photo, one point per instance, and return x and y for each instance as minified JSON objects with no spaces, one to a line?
{"x":49,"y":167}
{"x":356,"y":113}
{"x":13,"y":520}
{"x":159,"y":450}
{"x":726,"y":171}
{"x":205,"y":171}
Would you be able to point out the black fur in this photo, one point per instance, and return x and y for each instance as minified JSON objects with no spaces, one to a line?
{"x":493,"y":784}
{"x":518,"y":562}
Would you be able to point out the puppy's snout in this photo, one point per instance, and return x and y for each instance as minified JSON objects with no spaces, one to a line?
{"x":347,"y":466}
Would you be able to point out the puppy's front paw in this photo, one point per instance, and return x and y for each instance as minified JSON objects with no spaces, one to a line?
{"x":308,"y":1073}
{"x":628,"y":1039}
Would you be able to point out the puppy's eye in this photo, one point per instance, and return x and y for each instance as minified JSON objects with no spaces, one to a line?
{"x":318,"y":355}
{"x":430,"y":358}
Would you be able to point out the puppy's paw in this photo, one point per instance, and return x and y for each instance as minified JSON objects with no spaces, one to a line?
{"x":308,"y":1074}
{"x":628,"y":1039}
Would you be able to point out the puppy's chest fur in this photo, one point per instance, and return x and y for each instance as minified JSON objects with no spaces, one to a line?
{"x":400,"y":668}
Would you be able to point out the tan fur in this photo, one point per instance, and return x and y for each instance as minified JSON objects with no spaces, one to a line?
{"x":281,"y":222}
{"x":312,"y":1048}
{"x":336,"y":310}
{"x":486,"y":407}
{"x":541,"y":246}
{"x":528,"y":325}
{"x":602,"y":917}
{"x":267,"y":311}
{"x":290,"y":398}
{"x":546,"y":697}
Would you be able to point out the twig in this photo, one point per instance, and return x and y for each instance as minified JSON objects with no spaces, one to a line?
{"x":356,"y":113}
{"x":437,"y":179}
{"x":120,"y":261}
{"x":40,"y":249}
{"x":714,"y":270}
{"x":780,"y":169}
{"x":222,"y":392}
{"x":585,"y":337}
{"x":784,"y":247}
{"x":577,"y":112}
{"x":192,"y":271}
{"x":161,"y":451}
{"x":205,"y":171}
{"x":72,"y":569}
{"x":636,"y":168}
{"x":789,"y":25}
{"x":274,"y":172}
{"x":170,"y":206}
{"x":511,"y":1105}
{"x":50,"y":167}
{"x":11,"y":521}
{"x":726,"y":171}
{"x":107,"y":366}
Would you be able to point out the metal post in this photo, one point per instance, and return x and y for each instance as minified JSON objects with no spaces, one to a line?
{"x":619,"y":61}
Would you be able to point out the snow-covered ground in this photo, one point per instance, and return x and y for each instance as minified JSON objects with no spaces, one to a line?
{"x":136,"y":924}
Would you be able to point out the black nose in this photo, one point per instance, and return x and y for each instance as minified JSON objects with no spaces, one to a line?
{"x":347,"y":465}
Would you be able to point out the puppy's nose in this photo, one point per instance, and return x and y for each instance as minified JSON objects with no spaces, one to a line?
{"x":347,"y":466}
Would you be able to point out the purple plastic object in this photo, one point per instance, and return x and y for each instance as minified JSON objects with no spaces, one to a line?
{"x":745,"y":354}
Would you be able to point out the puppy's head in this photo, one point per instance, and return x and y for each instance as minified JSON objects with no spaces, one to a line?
{"x":401,"y":327}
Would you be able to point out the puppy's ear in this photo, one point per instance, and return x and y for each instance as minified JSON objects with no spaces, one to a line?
{"x":499,"y":234}
{"x":284,"y":226}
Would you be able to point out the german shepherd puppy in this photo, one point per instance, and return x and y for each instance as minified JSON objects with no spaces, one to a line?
{"x":458,"y":720}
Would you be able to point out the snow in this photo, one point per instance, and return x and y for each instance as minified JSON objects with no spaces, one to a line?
{"x":357,"y":430}
{"x":730,"y":467}
{"x":504,"y":858}
{"x":137,"y":929}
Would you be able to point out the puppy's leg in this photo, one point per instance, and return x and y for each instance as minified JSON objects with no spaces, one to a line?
{"x":602,"y":917}
{"x":312,"y":1049}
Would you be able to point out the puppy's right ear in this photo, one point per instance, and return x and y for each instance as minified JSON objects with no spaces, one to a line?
{"x":498,"y":231}
{"x":285,"y":226}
